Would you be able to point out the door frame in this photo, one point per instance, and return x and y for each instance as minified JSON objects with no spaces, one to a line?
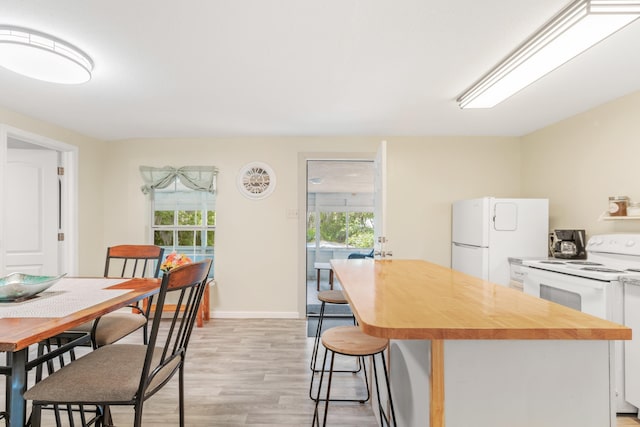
{"x":68,"y":159}
{"x":303,"y":158}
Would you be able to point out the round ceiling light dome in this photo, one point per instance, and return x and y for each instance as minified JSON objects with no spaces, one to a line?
{"x":43,"y":57}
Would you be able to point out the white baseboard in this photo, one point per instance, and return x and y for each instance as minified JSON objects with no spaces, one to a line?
{"x":256,"y":315}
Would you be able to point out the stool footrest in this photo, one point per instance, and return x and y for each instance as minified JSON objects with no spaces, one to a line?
{"x":351,"y":341}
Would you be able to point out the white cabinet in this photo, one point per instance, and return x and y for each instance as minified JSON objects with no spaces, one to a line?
{"x":632,"y":348}
{"x":517,"y":272}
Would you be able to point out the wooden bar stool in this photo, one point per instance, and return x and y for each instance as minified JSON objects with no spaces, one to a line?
{"x":326,"y":297}
{"x":351,"y":341}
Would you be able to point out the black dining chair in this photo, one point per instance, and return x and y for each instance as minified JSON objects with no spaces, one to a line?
{"x":129,"y":374}
{"x":122,"y":261}
{"x":5,"y":371}
{"x":125,"y":261}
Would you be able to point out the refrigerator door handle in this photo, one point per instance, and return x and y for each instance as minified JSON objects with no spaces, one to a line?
{"x":464,"y":245}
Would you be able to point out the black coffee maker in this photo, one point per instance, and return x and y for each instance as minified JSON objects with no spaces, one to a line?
{"x":567,"y":244}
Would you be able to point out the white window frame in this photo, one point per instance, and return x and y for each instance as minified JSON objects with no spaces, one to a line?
{"x":206,"y":203}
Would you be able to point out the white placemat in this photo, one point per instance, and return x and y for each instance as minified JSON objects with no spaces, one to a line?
{"x":66,"y":297}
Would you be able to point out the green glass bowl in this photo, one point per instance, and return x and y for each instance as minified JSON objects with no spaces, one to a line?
{"x":18,"y":286}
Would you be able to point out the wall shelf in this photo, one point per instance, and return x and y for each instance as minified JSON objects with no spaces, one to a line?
{"x":606,"y":217}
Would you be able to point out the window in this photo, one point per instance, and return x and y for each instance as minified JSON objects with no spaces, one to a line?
{"x":184,"y":220}
{"x":340,"y":220}
{"x":340,"y":229}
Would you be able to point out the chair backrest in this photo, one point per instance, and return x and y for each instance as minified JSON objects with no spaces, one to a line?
{"x":166,"y":351}
{"x":361,"y":256}
{"x":133,"y":261}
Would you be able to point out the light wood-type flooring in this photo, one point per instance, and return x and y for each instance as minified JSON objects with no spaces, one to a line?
{"x":252,"y":373}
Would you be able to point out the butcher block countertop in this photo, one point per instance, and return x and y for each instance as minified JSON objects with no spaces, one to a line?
{"x":412,"y":299}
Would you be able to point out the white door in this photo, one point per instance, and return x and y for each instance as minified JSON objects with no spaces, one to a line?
{"x":380,"y":202}
{"x":31,"y":212}
{"x":380,"y":244}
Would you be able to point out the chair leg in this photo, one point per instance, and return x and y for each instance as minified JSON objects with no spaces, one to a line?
{"x":181,"y":393}
{"x":386,"y":379}
{"x":146,"y":308}
{"x":137,"y":422}
{"x":316,"y":418}
{"x":83,"y":418}
{"x":366,"y":380}
{"x":36,"y":415}
{"x":104,"y":415}
{"x":206,"y":302}
{"x":326,"y":403}
{"x":384,"y":417}
{"x":144,"y":333}
{"x":316,"y":342}
{"x":200,"y":318}
{"x":316,"y":346}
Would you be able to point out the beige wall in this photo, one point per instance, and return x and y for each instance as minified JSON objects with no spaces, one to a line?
{"x":259,"y":266}
{"x":579,"y":162}
{"x":257,"y":244}
{"x":259,"y":251}
{"x":425,"y":175}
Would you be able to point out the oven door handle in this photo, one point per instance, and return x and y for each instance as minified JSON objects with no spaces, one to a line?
{"x":562,"y":281}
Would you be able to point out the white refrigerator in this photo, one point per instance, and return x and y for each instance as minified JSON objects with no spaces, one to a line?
{"x":487,"y":231}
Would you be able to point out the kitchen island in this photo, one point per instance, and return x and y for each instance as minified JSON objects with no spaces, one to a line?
{"x":470,"y":352}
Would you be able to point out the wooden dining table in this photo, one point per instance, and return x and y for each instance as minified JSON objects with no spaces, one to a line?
{"x":69,"y":303}
{"x":417,"y":300}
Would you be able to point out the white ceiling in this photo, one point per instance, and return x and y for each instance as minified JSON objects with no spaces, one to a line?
{"x":340,"y":176}
{"x":204,"y":68}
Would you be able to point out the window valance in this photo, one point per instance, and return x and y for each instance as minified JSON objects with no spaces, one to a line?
{"x":198,"y":178}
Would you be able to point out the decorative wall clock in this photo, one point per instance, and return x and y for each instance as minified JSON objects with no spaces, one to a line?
{"x":256,"y":180}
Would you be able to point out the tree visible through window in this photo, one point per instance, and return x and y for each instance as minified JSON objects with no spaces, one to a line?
{"x":184,"y":220}
{"x":341,"y":229}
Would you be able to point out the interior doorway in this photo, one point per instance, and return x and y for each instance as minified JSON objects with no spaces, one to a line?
{"x":339,"y":222}
{"x":40,"y":174}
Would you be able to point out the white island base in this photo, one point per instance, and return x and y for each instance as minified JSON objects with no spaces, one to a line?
{"x":507,"y":383}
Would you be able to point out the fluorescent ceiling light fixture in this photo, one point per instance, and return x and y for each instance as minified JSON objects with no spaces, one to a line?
{"x":43,"y":57}
{"x":575,"y":29}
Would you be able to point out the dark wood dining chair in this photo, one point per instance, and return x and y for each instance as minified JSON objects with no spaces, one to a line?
{"x":129,"y":374}
{"x":125,"y":261}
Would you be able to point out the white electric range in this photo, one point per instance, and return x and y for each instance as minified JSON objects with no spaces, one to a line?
{"x":592,"y":286}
